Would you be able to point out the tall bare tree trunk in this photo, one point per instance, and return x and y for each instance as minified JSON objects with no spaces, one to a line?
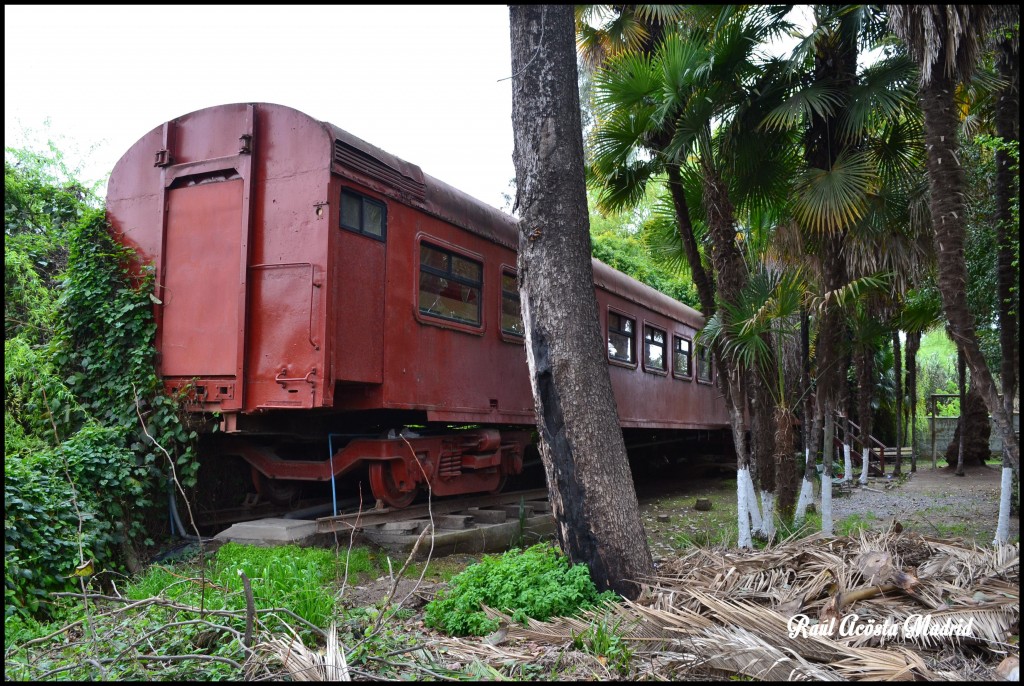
{"x":808,"y":420}
{"x":948,"y":213}
{"x":1007,"y":188}
{"x":961,"y":375}
{"x":589,"y":482}
{"x":913,"y":345}
{"x":897,"y":356}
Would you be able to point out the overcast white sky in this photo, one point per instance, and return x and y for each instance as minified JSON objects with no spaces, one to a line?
{"x":421,"y":82}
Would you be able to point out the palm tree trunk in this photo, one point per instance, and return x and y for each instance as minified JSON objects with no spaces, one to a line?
{"x":701,"y":280}
{"x":1007,"y":128}
{"x":826,"y":474}
{"x":864,"y":359}
{"x":897,"y":357}
{"x":948,"y":214}
{"x":913,"y":345}
{"x":961,"y":375}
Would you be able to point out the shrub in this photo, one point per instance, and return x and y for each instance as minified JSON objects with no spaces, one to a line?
{"x":537,"y":582}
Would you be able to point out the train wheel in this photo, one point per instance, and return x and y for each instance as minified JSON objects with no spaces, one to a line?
{"x":278,"y":491}
{"x":501,"y":484}
{"x":382,"y":483}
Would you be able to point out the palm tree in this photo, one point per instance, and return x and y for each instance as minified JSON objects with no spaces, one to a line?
{"x":753,"y":333}
{"x":655,"y":114}
{"x":946,"y":41}
{"x":858,"y":133}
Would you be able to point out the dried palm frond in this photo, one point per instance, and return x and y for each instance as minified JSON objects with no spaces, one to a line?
{"x":729,"y":612}
{"x":736,"y":650}
{"x":304,"y":664}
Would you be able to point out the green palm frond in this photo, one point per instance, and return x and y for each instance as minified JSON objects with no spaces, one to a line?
{"x":626,"y":82}
{"x":899,"y":150}
{"x":625,"y":186}
{"x":819,"y":99}
{"x":887,"y":90}
{"x":685,"y":65}
{"x":848,"y":296}
{"x":660,"y":234}
{"x":829,"y":200}
{"x":922,"y":309}
{"x":664,"y":14}
{"x":616,"y":141}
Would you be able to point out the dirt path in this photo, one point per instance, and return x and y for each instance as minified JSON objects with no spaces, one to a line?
{"x":932,"y":502}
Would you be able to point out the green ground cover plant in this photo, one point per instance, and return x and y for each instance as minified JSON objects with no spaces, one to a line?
{"x":537,"y":582}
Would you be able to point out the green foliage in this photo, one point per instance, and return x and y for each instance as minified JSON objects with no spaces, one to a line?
{"x":605,"y":643}
{"x":537,"y":582}
{"x":620,"y":241}
{"x":299,"y":579}
{"x":81,"y":476}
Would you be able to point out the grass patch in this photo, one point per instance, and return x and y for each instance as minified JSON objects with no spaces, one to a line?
{"x":855,"y":524}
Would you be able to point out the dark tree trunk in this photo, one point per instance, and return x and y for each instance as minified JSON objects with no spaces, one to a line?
{"x":807,"y":406}
{"x":897,"y":357}
{"x":864,"y":361}
{"x":1007,"y":188}
{"x":971,"y":438}
{"x":961,"y":432}
{"x":913,"y":345}
{"x":589,"y":482}
{"x":948,"y":212}
{"x":701,"y":280}
{"x":835,"y":66}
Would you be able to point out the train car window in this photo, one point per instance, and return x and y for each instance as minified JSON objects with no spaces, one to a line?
{"x":363,"y":215}
{"x":681,"y":364}
{"x":620,"y":338}
{"x":654,"y":349}
{"x":703,"y":364}
{"x":511,"y":308}
{"x":450,"y":285}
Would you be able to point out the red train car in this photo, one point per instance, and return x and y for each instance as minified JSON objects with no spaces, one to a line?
{"x":311,"y":284}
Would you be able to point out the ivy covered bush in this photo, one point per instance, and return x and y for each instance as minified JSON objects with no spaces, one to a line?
{"x":81,"y":478}
{"x":537,"y":582}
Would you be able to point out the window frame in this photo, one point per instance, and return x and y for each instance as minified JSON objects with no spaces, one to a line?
{"x":711,"y":366}
{"x":364,"y":200}
{"x":632,"y":364}
{"x":456,"y":251}
{"x":506,"y":335}
{"x":675,"y":353}
{"x":664,"y":350}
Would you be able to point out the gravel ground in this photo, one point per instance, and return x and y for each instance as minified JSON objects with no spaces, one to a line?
{"x":933,"y":502}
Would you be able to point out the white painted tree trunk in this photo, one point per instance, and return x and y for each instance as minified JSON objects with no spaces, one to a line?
{"x":756,"y":523}
{"x":806,"y":498}
{"x":742,"y":512}
{"x":768,"y":515}
{"x":826,"y":503}
{"x":847,"y":463}
{"x":864,"y":466}
{"x":806,"y":494}
{"x":1005,"y":492}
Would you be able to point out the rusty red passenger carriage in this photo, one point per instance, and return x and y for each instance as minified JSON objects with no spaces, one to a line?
{"x":317,"y":291}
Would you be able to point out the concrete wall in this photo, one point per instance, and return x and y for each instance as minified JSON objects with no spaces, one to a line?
{"x":945,"y":427}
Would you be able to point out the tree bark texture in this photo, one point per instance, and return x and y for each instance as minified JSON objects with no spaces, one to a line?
{"x":1007,"y":188}
{"x":897,"y":358}
{"x":913,"y":345}
{"x":835,"y":65}
{"x":948,"y":214}
{"x":589,"y":482}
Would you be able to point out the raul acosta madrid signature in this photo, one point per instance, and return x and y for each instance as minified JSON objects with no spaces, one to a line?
{"x":914,"y":626}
